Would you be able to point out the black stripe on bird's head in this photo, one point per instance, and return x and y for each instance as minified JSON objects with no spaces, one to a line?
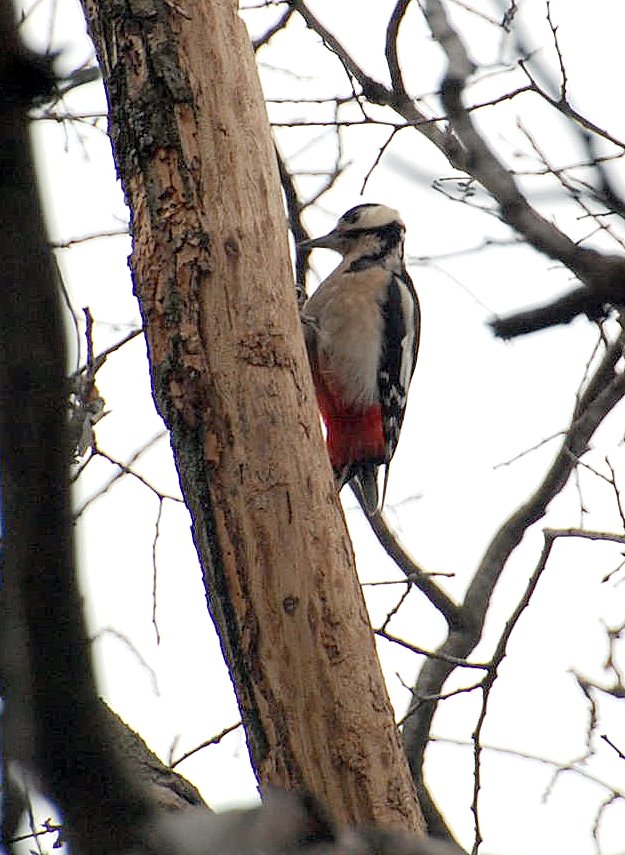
{"x":365,"y":227}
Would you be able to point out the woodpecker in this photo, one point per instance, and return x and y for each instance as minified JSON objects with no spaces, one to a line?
{"x":362,"y":329}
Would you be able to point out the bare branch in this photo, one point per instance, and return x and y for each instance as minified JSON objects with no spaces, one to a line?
{"x":157,"y":532}
{"x":110,"y":631}
{"x":585,"y":533}
{"x":461,"y":663}
{"x":602,"y":274}
{"x":564,"y":107}
{"x":562,"y":310}
{"x":294,"y":209}
{"x":491,"y":676}
{"x":392,"y":56}
{"x":609,"y":742}
{"x":533,"y":758}
{"x":70,"y":242}
{"x":606,"y":192}
{"x":125,"y":469}
{"x":462,"y":638}
{"x":280,"y":24}
{"x":214,"y":740}
{"x":529,"y":450}
{"x":372,"y":90}
{"x":377,"y":93}
{"x":413,"y":572}
{"x":391,"y":614}
{"x":554,"y":32}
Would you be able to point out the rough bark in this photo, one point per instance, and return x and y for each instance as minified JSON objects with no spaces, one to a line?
{"x":229,"y":372}
{"x":164,"y":789}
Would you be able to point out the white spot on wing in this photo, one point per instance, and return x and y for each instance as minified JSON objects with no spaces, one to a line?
{"x":407,"y":344}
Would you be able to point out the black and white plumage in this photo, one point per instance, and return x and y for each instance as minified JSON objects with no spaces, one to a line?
{"x":362,"y":329}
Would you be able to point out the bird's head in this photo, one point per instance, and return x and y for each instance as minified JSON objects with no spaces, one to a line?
{"x":366,"y":231}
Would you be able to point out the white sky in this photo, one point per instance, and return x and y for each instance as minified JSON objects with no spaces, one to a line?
{"x":475,"y":402}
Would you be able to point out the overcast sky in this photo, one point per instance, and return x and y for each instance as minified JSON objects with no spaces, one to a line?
{"x":475,"y":403}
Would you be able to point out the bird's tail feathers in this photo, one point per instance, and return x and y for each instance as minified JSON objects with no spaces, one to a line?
{"x":384,"y":485}
{"x":365,"y":480}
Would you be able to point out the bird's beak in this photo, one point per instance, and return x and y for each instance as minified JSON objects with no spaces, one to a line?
{"x":330,"y":241}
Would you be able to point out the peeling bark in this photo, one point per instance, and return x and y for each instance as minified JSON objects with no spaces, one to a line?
{"x":212,"y":274}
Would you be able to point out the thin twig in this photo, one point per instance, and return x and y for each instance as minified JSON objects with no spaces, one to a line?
{"x":214,"y":740}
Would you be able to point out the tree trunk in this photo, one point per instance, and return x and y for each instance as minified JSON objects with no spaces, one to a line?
{"x":230,"y":377}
